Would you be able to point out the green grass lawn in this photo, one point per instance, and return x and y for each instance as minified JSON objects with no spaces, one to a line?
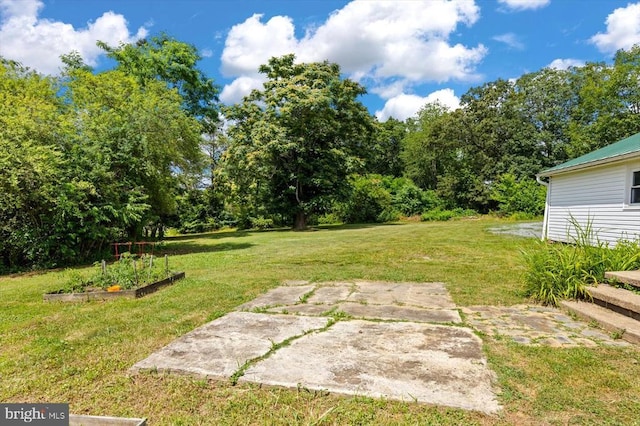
{"x":80,"y":352}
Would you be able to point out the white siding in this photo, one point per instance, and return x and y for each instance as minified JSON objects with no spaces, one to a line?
{"x":596,"y":197}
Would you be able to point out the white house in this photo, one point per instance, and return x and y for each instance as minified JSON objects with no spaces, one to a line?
{"x":600,"y":189}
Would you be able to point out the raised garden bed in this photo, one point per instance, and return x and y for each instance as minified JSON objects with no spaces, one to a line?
{"x":107,"y":295}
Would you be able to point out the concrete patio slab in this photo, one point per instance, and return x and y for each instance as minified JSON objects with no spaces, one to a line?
{"x":426,"y":295}
{"x":303,"y":309}
{"x":404,"y":361}
{"x":331,"y":294}
{"x":221,"y":347}
{"x":399,"y":313}
{"x":287,"y":295}
{"x":406,"y":356}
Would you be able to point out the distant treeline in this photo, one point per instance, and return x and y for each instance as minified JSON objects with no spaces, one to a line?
{"x":88,"y":158}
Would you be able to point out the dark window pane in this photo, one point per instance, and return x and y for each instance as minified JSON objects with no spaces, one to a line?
{"x":635,"y":195}
{"x":636,"y":178}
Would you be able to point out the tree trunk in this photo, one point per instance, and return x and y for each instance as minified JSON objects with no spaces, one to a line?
{"x":300,"y":222}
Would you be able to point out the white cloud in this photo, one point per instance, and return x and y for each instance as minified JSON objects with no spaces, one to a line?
{"x":407,"y":42}
{"x":252,"y":43}
{"x":206,"y":53}
{"x":386,"y":38}
{"x":239,"y":88}
{"x":524,"y":4}
{"x":20,"y":8}
{"x":38,"y":43}
{"x":564,"y":64}
{"x":404,"y":106}
{"x":511,"y":40}
{"x":623,"y":30}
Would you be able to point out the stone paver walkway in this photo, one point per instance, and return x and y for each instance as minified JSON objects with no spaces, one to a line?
{"x":536,"y":325}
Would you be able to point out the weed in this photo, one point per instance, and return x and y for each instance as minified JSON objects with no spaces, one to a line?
{"x":305,"y":297}
{"x":617,"y":334}
{"x":239,"y":373}
{"x":340,"y":315}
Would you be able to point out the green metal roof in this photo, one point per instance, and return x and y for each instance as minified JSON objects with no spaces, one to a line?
{"x":622,"y":148}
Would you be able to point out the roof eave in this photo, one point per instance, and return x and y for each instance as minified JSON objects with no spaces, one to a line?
{"x":623,"y":157}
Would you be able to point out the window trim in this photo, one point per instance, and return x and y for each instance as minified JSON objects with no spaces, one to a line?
{"x":629,"y":187}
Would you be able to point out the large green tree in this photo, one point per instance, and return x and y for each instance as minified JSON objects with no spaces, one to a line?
{"x":425,"y":147}
{"x":293,"y":144}
{"x":383,"y":156}
{"x":132,"y":143}
{"x":608,"y":106}
{"x":85,"y":160}
{"x":31,"y":165}
{"x":162,"y":58}
{"x":547,"y":100}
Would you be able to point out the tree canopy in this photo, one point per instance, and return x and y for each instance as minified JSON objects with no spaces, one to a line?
{"x":163,"y":58}
{"x":293,"y":144}
{"x":88,"y":158}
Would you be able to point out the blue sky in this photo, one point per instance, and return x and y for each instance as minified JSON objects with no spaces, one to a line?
{"x":405,"y":52}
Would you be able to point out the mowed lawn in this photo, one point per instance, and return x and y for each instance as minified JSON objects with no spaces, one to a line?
{"x":80,"y":352}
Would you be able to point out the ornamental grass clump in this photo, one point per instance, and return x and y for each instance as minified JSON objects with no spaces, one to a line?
{"x":558,"y":271}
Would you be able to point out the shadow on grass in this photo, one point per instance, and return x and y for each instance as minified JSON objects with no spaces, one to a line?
{"x":355,"y":226}
{"x":190,"y":248}
{"x":216,"y":235}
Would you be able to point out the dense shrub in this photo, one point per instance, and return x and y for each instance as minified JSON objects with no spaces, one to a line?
{"x":261,"y":223}
{"x":368,"y":202}
{"x":523,"y":197}
{"x":328,"y":219}
{"x":438,"y":214}
{"x":376,"y":198}
{"x":411,"y":200}
{"x":199,"y":210}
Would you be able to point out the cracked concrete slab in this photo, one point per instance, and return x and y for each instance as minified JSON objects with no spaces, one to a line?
{"x":399,"y":313}
{"x":426,"y":295}
{"x":406,"y":357}
{"x":374,"y":312}
{"x":287,"y":295}
{"x":303,"y":309}
{"x":331,"y":294}
{"x":405,"y":361}
{"x":221,"y":347}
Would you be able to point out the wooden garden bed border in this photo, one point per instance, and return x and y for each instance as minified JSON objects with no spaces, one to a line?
{"x":107,"y":295}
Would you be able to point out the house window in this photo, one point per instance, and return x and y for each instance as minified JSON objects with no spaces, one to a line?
{"x":635,"y":188}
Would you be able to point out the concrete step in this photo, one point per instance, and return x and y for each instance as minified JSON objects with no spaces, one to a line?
{"x":627,"y":277}
{"x":628,"y":328}
{"x":622,"y":301}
